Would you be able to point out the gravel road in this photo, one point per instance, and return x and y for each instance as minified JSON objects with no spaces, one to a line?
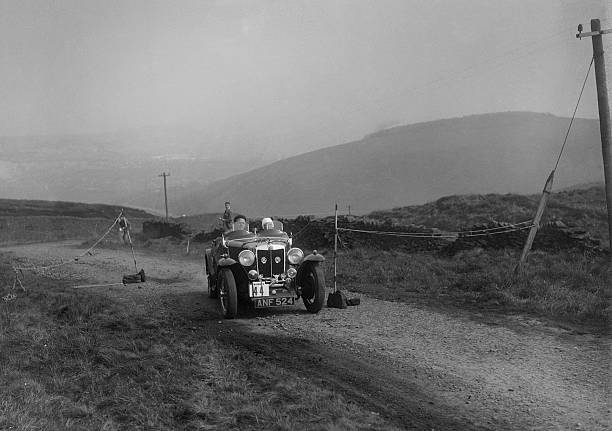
{"x":419,"y":368}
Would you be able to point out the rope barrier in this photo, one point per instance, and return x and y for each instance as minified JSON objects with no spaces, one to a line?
{"x":97,"y":285}
{"x":132,"y":248}
{"x":75,"y":259}
{"x":464,"y":234}
{"x":399,"y":234}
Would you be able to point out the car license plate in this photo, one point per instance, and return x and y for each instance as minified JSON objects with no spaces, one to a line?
{"x":273,"y":302}
{"x":259,"y":288}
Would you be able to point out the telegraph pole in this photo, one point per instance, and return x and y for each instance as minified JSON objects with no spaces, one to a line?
{"x":605,"y":127}
{"x":165,"y":193}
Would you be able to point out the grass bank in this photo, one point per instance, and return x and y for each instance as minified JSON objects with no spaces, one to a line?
{"x":79,"y":360}
{"x":565,"y":286}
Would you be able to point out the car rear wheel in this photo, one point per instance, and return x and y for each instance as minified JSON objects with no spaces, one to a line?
{"x":313,"y":288}
{"x":228,"y":296}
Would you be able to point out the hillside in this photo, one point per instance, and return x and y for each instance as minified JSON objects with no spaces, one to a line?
{"x":580,"y":207}
{"x":28,"y":208}
{"x":493,"y":153}
{"x":585,"y":207}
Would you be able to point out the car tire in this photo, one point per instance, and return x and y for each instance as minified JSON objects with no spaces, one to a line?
{"x":313,"y":287}
{"x":228,"y":295}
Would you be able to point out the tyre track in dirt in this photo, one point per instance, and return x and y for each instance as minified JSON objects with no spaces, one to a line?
{"x":418,"y":368}
{"x":367,"y":381}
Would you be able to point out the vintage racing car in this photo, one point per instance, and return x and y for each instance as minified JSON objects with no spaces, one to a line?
{"x":262,"y":269}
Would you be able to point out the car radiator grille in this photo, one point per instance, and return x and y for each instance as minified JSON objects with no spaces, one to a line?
{"x":271,"y":262}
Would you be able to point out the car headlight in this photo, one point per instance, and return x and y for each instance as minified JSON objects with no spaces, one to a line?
{"x":246,"y":257}
{"x":295,"y":256}
{"x":291,"y":272}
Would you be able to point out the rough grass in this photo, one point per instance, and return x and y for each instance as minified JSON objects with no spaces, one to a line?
{"x":565,"y":286}
{"x":582,"y":207}
{"x":78,"y":360}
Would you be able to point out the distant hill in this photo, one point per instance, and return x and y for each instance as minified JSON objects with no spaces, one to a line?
{"x":494,"y":153}
{"x":121,"y":169}
{"x":26,"y":208}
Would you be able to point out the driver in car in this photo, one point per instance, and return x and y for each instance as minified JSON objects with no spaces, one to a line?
{"x":240,"y":223}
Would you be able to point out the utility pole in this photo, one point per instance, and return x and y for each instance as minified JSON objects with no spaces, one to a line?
{"x":165,"y":193}
{"x":604,"y":111}
{"x":335,"y":245}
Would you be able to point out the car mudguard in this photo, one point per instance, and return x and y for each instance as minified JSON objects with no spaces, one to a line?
{"x":226,"y":261}
{"x":305,"y":264}
{"x":314,"y":257}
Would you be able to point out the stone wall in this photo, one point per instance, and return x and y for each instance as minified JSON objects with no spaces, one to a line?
{"x":163,"y":229}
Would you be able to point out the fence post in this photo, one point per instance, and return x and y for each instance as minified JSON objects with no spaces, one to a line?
{"x":536,"y":220}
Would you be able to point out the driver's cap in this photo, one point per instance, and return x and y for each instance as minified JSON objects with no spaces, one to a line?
{"x":266,"y":220}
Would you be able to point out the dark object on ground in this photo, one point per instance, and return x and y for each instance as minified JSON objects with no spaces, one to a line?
{"x":336,"y":300}
{"x":206,"y":236}
{"x":353,"y":301}
{"x":135,"y":278}
{"x":162,"y":229}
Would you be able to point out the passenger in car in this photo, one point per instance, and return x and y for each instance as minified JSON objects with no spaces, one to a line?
{"x":267,"y":223}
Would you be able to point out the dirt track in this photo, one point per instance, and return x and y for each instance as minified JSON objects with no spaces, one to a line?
{"x":418,"y":368}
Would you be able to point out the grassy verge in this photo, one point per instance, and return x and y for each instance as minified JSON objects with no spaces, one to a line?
{"x":565,"y":286}
{"x":79,"y":360}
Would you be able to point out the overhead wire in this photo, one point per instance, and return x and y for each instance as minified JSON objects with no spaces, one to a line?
{"x":574,"y":114}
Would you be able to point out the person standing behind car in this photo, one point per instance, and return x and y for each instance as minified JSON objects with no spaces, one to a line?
{"x":227,"y":218}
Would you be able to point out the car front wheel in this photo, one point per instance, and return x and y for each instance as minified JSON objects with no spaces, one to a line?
{"x":228,"y":296}
{"x":313,"y":288}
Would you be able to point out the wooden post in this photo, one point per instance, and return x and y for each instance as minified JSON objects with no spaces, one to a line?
{"x":536,"y":219}
{"x":335,"y":244}
{"x":604,"y":118}
{"x":132,"y":248}
{"x":165,"y":193}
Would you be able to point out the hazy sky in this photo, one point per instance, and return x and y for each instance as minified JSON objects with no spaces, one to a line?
{"x":296,"y":73}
